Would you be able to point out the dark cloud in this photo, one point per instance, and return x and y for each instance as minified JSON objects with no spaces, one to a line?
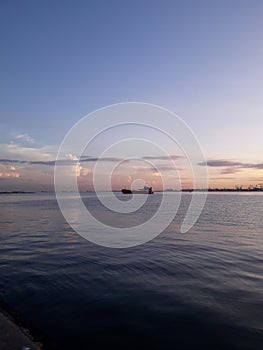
{"x":115,"y":159}
{"x":102,"y":159}
{"x":158,"y":168}
{"x":258,"y":166}
{"x":83,"y":159}
{"x":3,"y":161}
{"x":58,"y":162}
{"x":37,"y":162}
{"x":221,"y":163}
{"x":231,"y":167}
{"x":167,"y":168}
{"x":171,"y":157}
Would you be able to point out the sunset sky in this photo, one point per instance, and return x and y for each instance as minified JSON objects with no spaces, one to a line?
{"x":61,"y":60}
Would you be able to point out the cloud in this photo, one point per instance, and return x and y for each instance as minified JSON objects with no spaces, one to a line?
{"x":57,"y":162}
{"x":47,"y":162}
{"x":220,"y":163}
{"x":115,"y":159}
{"x":9,"y":175}
{"x":84,"y":172}
{"x":171,"y":157}
{"x":157,"y":168}
{"x":6,"y":173}
{"x":71,"y":160}
{"x":167,"y":168}
{"x":231,"y":167}
{"x":17,"y":161}
{"x":12,"y":161}
{"x":13,"y":151}
{"x":103,"y":159}
{"x":257,"y":166}
{"x":220,"y":178}
{"x":25,"y":137}
{"x":231,"y":170}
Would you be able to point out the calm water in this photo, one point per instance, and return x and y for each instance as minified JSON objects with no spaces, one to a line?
{"x":203,"y":289}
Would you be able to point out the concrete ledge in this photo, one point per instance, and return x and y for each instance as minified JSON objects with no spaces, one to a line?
{"x":13,"y":338}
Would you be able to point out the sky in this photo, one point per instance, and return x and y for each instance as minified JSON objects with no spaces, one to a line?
{"x":61,"y":60}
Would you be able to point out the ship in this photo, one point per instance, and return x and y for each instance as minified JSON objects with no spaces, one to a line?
{"x":145,"y":190}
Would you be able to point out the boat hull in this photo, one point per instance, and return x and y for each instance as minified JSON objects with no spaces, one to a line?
{"x":125,"y":191}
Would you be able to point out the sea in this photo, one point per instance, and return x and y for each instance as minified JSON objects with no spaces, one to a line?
{"x":202,"y":289}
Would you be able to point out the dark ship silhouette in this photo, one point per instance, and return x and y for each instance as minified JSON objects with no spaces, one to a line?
{"x":145,"y":190}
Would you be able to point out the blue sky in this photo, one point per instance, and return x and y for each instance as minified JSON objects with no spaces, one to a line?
{"x":60,"y":60}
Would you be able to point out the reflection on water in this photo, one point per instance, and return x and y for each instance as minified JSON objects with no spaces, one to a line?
{"x":203,"y":289}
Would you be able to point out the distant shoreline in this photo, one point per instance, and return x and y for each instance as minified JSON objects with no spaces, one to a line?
{"x":157,"y":191}
{"x":217,"y":190}
{"x":20,"y":192}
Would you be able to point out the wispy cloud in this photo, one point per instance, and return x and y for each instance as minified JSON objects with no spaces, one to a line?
{"x":58,"y":162}
{"x":13,"y":161}
{"x":231,"y":170}
{"x":171,"y":157}
{"x":26,"y":138}
{"x":166,"y":167}
{"x":116,"y":159}
{"x":102,"y":159}
{"x":70,"y":160}
{"x":13,"y":151}
{"x":165,"y":170}
{"x":231,"y":167}
{"x":220,"y":163}
{"x":220,"y":178}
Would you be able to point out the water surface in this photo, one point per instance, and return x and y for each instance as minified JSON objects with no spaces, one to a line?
{"x":202,"y":289}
